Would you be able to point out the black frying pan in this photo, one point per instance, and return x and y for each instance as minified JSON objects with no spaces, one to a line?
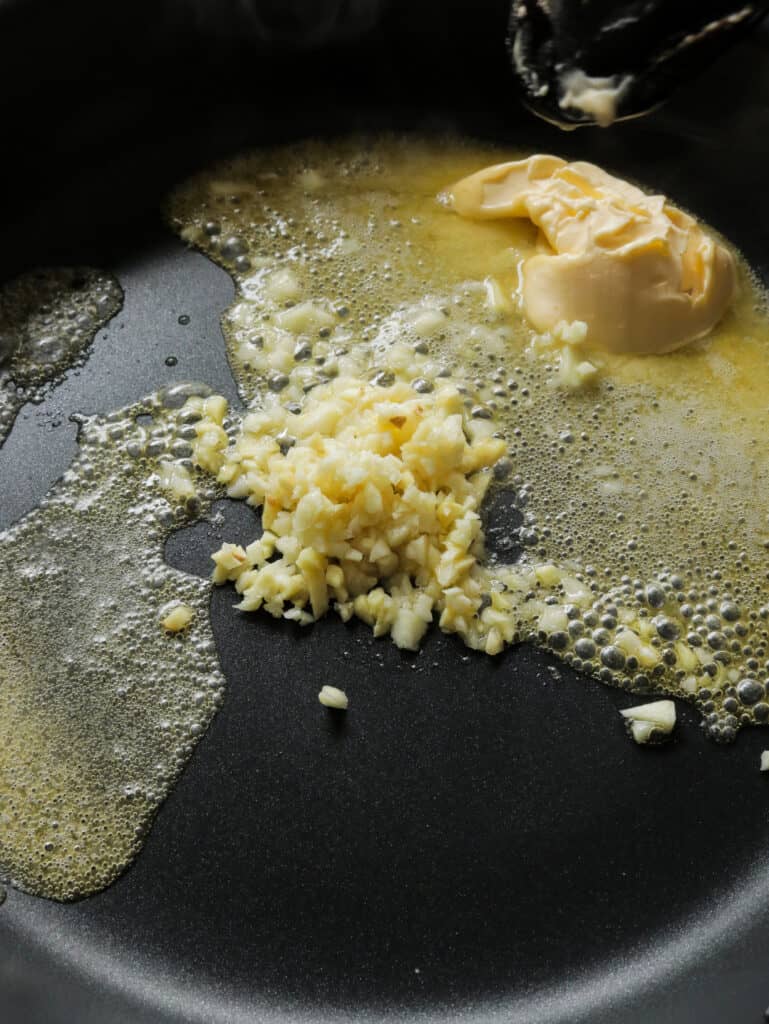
{"x":480,"y":841}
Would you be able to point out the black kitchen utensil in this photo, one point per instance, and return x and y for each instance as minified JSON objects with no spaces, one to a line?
{"x":640,"y":51}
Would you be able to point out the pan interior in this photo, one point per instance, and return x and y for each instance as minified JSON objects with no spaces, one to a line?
{"x":478,"y":840}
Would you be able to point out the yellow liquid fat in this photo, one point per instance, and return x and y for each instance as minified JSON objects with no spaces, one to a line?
{"x":641,"y":497}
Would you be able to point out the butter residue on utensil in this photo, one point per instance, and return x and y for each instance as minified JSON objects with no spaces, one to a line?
{"x":642,"y":274}
{"x":595,"y":96}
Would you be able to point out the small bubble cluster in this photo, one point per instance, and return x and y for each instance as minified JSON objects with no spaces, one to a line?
{"x":100,"y":708}
{"x":644,"y":492}
{"x":48,"y":318}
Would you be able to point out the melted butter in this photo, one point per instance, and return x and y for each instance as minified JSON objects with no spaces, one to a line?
{"x":642,"y":496}
{"x":100,"y":707}
{"x":48,"y":318}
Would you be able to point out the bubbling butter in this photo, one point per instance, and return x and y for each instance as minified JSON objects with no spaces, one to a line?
{"x":48,"y":319}
{"x":639,"y":484}
{"x":100,"y":707}
{"x":642,"y":274}
{"x":641,"y":495}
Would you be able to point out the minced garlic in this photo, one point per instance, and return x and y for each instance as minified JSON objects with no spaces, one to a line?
{"x":177,"y":618}
{"x":649,"y":723}
{"x":331,"y":697}
{"x":371,"y":508}
{"x":575,"y":371}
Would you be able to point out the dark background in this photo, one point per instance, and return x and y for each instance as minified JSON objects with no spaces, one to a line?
{"x":478,"y":840}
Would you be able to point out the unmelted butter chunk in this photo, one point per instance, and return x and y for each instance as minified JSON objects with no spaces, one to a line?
{"x":99,"y":708}
{"x":643,"y":275}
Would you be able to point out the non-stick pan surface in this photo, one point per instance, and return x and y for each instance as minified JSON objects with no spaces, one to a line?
{"x":478,"y":840}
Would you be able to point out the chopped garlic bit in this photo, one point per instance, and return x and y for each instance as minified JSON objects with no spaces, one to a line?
{"x":177,"y":618}
{"x":651,"y":723}
{"x":567,"y":340}
{"x":331,"y":697}
{"x":211,"y":436}
{"x":373,"y":511}
{"x":304,"y":317}
{"x":176,"y":480}
{"x":283,"y":285}
{"x":428,"y":322}
{"x":496,"y":298}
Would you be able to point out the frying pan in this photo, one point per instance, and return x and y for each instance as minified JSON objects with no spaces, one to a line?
{"x":478,"y":841}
